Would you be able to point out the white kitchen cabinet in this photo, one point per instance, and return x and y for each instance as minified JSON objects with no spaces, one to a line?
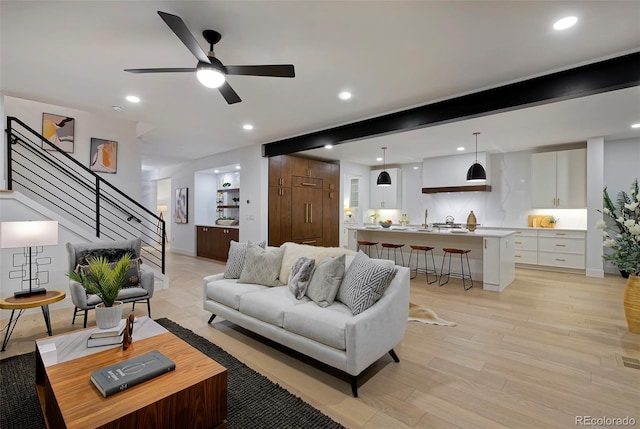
{"x":386,"y":197}
{"x":562,"y":249}
{"x":498,"y":268}
{"x":559,"y":179}
{"x":525,"y":245}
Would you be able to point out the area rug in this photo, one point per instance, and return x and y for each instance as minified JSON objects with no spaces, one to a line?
{"x":418,"y":313}
{"x":253,"y":400}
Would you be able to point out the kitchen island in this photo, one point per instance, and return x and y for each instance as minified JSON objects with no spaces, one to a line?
{"x":491,"y":257}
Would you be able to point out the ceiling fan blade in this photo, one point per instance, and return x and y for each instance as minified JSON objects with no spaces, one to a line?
{"x":229,"y":94}
{"x":177,"y":25}
{"x":165,"y":70}
{"x":275,"y":70}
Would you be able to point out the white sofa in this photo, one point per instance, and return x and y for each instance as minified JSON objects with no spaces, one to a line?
{"x":332,"y":335}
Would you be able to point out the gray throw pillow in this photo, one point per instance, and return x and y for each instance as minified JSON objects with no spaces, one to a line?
{"x":235,"y":261}
{"x":326,"y":280}
{"x":300,"y":276}
{"x":364,"y":283}
{"x":261,"y":266}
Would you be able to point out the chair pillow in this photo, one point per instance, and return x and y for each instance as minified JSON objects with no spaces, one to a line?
{"x":325,"y":280}
{"x":235,"y":261}
{"x":261,"y":266}
{"x":364,"y":283}
{"x":300,"y":276}
{"x":133,"y":275}
{"x":110,"y":254}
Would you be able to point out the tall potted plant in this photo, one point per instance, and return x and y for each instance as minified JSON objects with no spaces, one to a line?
{"x":105,"y":280}
{"x":621,"y":232}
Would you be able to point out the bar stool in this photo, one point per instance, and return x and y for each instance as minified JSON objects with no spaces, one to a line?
{"x":395,"y":247}
{"x":368,"y":245}
{"x":426,"y":269}
{"x":449,"y":251}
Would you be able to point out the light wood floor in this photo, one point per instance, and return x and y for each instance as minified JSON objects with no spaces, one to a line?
{"x":537,"y":355}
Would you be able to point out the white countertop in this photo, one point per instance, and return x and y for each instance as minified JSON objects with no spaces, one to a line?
{"x":484,"y":232}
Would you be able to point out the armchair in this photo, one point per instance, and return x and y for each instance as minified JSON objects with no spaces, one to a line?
{"x":84,"y":301}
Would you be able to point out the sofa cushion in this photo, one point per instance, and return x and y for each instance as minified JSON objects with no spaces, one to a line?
{"x":326,"y":280}
{"x":235,"y":260}
{"x":325,"y":325}
{"x":364,"y":282}
{"x":300,"y":276}
{"x":293,"y":251}
{"x":229,"y":292}
{"x":262,"y":266}
{"x":269,"y":304}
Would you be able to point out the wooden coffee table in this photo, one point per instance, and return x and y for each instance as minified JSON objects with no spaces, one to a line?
{"x":194,"y":395}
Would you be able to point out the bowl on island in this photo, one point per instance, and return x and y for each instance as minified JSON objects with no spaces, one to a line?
{"x":385,"y":224}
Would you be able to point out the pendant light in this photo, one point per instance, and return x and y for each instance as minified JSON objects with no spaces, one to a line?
{"x":476,"y":172}
{"x":383,"y":178}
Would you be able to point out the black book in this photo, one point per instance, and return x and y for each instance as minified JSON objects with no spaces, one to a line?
{"x":123,"y":375}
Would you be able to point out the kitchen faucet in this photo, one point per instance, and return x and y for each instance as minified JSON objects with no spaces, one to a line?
{"x":449,"y":219}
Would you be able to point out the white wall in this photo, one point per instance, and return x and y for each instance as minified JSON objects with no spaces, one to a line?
{"x":87,"y":125}
{"x":253,"y":195}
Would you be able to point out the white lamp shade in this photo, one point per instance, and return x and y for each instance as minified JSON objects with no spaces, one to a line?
{"x":162,"y":207}
{"x":29,"y":233}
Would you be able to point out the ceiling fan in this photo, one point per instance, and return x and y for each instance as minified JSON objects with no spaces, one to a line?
{"x":209,"y":70}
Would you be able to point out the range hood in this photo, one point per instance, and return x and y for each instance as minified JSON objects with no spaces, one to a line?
{"x":449,"y":174}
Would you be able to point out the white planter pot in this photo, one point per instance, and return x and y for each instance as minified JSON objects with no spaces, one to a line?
{"x":108,"y":317}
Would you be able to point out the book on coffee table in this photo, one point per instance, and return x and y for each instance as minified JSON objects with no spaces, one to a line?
{"x":109,"y":332}
{"x":105,"y":341}
{"x":123,"y":375}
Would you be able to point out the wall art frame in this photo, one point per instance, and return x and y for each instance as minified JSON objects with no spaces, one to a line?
{"x":182,"y":205}
{"x":59,"y":132}
{"x":103,"y":156}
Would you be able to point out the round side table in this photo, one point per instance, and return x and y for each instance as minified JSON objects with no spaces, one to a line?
{"x":21,"y":304}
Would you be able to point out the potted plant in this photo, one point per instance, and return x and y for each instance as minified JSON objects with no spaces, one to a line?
{"x":621,"y":232}
{"x":105,"y":280}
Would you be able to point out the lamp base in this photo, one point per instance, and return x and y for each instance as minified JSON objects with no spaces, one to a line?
{"x":26,"y":293}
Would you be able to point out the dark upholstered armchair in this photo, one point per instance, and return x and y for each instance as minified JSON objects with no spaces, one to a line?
{"x":84,"y":301}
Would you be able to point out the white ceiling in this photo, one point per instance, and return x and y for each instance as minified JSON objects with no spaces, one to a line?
{"x":392,"y":55}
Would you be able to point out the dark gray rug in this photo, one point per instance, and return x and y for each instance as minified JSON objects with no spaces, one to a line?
{"x":253,"y":400}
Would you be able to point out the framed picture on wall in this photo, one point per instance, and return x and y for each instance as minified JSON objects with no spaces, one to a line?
{"x":59,"y":131}
{"x":182,"y":200}
{"x":103,"y":156}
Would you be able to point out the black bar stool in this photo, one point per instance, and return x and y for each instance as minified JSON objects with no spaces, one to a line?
{"x":449,"y":251}
{"x":395,"y":247}
{"x":426,"y":269}
{"x":368,"y":245}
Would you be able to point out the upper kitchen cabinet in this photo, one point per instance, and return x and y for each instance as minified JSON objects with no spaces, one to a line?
{"x":560,"y":179}
{"x":449,"y":173}
{"x":386,"y":197}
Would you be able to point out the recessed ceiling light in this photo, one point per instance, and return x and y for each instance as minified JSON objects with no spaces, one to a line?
{"x":328,"y":146}
{"x":116,"y":108}
{"x":460,"y":148}
{"x":247,"y":127}
{"x":415,"y":167}
{"x":564,"y":23}
{"x":237,"y":167}
{"x":379,"y":159}
{"x":216,"y":171}
{"x":133,"y":99}
{"x":636,"y":125}
{"x":344,"y":95}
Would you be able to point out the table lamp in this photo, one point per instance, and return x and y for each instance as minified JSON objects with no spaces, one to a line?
{"x":28,"y":235}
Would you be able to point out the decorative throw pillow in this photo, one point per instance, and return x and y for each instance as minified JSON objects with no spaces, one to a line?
{"x":364,"y":283}
{"x":300,"y":276}
{"x":111,"y":255}
{"x":235,"y":262}
{"x":133,"y":275}
{"x":292,"y":251}
{"x":325,"y":281}
{"x":261,"y":266}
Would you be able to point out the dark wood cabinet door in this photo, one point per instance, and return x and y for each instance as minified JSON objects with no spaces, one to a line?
{"x":275,"y":170}
{"x":204,"y":241}
{"x":306,"y":213}
{"x":279,"y":215}
{"x":222,"y":241}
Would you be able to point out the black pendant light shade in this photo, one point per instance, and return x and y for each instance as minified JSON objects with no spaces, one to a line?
{"x":383,"y":178}
{"x":476,"y":172}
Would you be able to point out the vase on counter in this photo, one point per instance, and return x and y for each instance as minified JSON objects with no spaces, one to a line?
{"x":472,"y":222}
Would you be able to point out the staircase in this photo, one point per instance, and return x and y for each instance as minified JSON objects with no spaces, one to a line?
{"x":58,"y":181}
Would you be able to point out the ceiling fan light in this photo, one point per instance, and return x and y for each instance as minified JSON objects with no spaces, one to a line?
{"x":210,"y":77}
{"x":384,"y":179}
{"x":476,"y":173}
